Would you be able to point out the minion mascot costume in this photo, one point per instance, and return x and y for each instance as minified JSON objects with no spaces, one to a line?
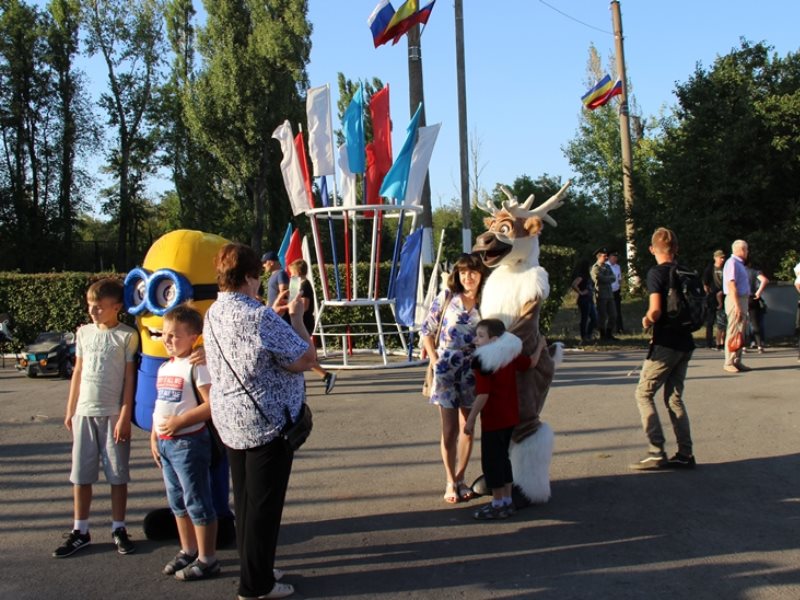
{"x":178,"y":267}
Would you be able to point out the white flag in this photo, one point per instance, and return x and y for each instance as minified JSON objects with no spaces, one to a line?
{"x":420,"y":159}
{"x":320,"y":144}
{"x":290,"y":168}
{"x":348,"y":178}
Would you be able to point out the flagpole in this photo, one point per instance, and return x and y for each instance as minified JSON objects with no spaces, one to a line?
{"x":627,"y":154}
{"x":330,"y":221}
{"x":315,"y":231}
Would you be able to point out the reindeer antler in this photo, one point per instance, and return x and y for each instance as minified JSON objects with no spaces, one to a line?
{"x":553,"y":202}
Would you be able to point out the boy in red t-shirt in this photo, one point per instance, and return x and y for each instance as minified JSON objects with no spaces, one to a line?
{"x":496,"y":361}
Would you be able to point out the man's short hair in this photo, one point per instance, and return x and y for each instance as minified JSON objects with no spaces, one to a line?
{"x":719,"y":254}
{"x":494,"y":327}
{"x":738,"y":244}
{"x":187,"y":315}
{"x":664,"y":240}
{"x":106,"y":288}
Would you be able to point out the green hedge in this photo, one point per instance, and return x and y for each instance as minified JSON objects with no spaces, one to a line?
{"x":57,"y":301}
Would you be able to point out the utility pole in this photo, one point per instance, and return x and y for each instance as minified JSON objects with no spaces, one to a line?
{"x":625,"y":136}
{"x":463,"y":141}
{"x":417,"y":95}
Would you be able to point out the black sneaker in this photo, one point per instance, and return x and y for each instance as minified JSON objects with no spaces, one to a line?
{"x":75,"y":540}
{"x":652,"y":462}
{"x":679,"y":461}
{"x":489,"y":512}
{"x":330,"y":381}
{"x":123,"y":542}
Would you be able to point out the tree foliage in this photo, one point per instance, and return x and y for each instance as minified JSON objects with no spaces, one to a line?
{"x":253,"y":77}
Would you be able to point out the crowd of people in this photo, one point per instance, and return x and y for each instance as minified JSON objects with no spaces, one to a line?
{"x":249,"y":385}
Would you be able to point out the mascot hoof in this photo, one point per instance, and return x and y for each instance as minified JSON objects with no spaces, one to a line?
{"x":479,"y":487}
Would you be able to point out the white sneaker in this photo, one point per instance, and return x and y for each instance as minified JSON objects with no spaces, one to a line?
{"x":279,"y":590}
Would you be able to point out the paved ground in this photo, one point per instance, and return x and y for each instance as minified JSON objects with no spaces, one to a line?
{"x":365,"y":519}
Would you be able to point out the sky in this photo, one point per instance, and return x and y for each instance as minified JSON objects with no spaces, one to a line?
{"x":526,"y":68}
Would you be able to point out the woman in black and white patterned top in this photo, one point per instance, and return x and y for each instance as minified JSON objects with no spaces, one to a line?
{"x":254,"y":357}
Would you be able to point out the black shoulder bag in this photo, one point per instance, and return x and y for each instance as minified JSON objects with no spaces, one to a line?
{"x":294,"y":434}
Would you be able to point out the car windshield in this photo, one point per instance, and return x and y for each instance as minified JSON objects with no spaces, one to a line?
{"x":53,"y":337}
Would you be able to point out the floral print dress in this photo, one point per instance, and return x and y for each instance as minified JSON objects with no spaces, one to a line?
{"x":453,"y":379}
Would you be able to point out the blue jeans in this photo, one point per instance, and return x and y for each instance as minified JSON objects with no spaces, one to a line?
{"x":185,"y":463}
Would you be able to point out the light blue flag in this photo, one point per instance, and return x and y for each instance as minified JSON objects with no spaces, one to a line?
{"x":353,"y":126}
{"x":395,"y":183}
{"x":407,"y":279}
{"x":285,"y":245}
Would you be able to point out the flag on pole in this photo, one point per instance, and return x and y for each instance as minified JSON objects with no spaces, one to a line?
{"x":374,"y":176}
{"x":601,"y":93}
{"x":420,"y":159}
{"x":379,"y":20}
{"x":381,"y":129}
{"x":285,"y":245}
{"x":290,"y":169}
{"x":408,"y":278}
{"x":396,"y":181}
{"x":353,"y":126}
{"x":294,"y":250}
{"x":348,"y":178}
{"x":386,"y":24}
{"x":301,"y":158}
{"x":320,"y":144}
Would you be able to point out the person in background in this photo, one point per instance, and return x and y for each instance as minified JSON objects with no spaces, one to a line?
{"x":277,"y":282}
{"x":583,"y":286}
{"x":299,"y":268}
{"x":712,"y":284}
{"x":756,"y":307}
{"x":736,"y":286}
{"x":603,"y":278}
{"x":616,"y":289}
{"x":797,"y":315}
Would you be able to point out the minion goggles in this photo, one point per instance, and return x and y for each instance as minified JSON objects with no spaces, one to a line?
{"x":161,"y":291}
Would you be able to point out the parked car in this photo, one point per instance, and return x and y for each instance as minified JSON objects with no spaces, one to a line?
{"x":53,"y":352}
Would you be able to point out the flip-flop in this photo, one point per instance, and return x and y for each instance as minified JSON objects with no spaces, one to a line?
{"x":451,"y":493}
{"x":464,"y":491}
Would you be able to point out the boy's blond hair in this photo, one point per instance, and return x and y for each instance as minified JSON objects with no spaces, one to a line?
{"x":664,"y":240}
{"x":300,"y":266}
{"x":106,"y":288}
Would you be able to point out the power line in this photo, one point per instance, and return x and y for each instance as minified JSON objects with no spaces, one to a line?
{"x":550,"y":6}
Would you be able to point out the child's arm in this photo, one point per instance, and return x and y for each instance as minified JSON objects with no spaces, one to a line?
{"x":154,"y":447}
{"x":74,"y":390}
{"x":477,"y":407}
{"x":538,"y":352}
{"x":122,"y":430}
{"x":199,"y":414}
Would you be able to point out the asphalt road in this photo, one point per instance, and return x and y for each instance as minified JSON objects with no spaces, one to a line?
{"x":365,"y":519}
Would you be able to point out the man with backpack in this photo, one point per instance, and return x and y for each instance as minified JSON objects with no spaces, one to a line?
{"x":667,"y":361}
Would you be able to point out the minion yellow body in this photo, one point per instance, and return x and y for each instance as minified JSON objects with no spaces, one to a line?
{"x":178,"y":267}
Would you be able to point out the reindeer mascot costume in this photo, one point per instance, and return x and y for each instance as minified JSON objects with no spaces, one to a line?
{"x":514,"y":293}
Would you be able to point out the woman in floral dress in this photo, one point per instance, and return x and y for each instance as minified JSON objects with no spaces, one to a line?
{"x":454,"y":382}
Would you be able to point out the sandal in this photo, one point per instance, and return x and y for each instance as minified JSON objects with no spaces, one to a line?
{"x":181,"y":561}
{"x":451,"y":493}
{"x":464,"y":491}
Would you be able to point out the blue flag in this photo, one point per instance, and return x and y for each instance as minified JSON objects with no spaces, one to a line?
{"x":395,"y":183}
{"x":285,"y":245}
{"x":353,"y":126}
{"x":408,"y":278}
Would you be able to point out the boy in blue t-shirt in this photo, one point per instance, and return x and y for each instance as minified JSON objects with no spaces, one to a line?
{"x":181,"y":445}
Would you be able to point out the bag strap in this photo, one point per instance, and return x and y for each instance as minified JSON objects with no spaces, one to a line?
{"x":249,"y":395}
{"x":441,"y":317}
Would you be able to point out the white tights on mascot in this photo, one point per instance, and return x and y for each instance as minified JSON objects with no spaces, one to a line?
{"x":514,"y":292}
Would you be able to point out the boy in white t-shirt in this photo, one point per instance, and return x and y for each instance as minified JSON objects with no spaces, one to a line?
{"x":98,"y":414}
{"x":181,"y":445}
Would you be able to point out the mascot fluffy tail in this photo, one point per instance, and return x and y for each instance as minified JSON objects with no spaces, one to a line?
{"x":530,"y":463}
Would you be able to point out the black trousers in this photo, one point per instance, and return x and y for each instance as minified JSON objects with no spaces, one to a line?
{"x":494,"y":457}
{"x":260,"y":478}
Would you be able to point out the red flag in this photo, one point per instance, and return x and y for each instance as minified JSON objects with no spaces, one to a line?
{"x":295,"y":249}
{"x":301,"y":154}
{"x":381,"y":130}
{"x":418,"y":18}
{"x":374,"y":178}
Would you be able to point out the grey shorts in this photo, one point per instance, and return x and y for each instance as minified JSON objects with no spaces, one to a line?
{"x":92,"y":442}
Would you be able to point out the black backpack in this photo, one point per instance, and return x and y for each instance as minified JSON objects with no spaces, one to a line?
{"x":686,"y":300}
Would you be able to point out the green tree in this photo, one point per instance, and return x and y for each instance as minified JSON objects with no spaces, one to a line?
{"x":728,"y":161}
{"x":253,"y":78}
{"x":128,"y":36}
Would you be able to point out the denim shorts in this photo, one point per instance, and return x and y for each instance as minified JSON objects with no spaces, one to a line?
{"x":185,"y":463}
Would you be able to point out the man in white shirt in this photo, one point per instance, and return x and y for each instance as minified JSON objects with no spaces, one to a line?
{"x":616,"y":288}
